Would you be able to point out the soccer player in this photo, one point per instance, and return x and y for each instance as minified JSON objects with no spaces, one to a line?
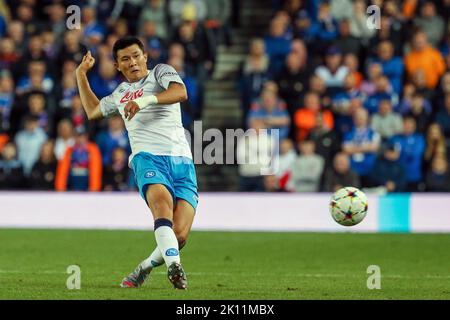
{"x":149,"y":103}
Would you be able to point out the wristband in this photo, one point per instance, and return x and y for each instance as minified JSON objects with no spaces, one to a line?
{"x":147,"y":101}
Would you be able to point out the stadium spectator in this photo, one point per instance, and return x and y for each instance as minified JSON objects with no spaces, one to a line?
{"x":291,"y":81}
{"x":93,"y":30}
{"x":383,"y":91}
{"x":154,"y":12}
{"x":438,"y":177}
{"x":419,"y":113}
{"x":42,"y":175}
{"x":368,"y":86}
{"x":317,"y":85}
{"x":388,"y":172}
{"x":277,"y":46}
{"x":197,"y":48}
{"x":341,"y":9}
{"x":65,"y":138}
{"x":435,"y":145}
{"x":340,"y":174}
{"x":411,"y":145}
{"x":409,"y":94}
{"x":115,"y":174}
{"x":7,"y":99}
{"x":37,"y":107}
{"x":182,"y":10}
{"x":77,"y":115}
{"x":286,"y":159}
{"x":271,"y":184}
{"x":333,"y":72}
{"x":305,"y":118}
{"x":307,"y":169}
{"x":392,"y":65}
{"x":57,"y":19}
{"x":328,"y":29}
{"x":115,"y":136}
{"x":352,"y":63}
{"x":386,"y":122}
{"x":155,"y":45}
{"x":443,"y":117}
{"x":423,"y":57}
{"x":81,"y":167}
{"x":16,"y":31}
{"x":346,"y":42}
{"x":29,"y":142}
{"x":358,"y":22}
{"x":325,"y":139}
{"x":272,"y":112}
{"x":105,"y":80}
{"x":8,"y":54}
{"x":361,"y":144}
{"x":254,"y":154}
{"x":217,"y":21}
{"x":431,"y":23}
{"x":254,"y":73}
{"x":341,"y":100}
{"x":305,"y":27}
{"x":11,"y":171}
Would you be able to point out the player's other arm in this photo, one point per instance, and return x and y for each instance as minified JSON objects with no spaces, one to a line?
{"x":90,"y":102}
{"x":174,"y":92}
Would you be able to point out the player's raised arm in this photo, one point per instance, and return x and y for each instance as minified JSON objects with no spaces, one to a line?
{"x":90,"y":102}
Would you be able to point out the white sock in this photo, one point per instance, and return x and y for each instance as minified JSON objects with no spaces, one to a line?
{"x":167,"y":244}
{"x":154,"y":260}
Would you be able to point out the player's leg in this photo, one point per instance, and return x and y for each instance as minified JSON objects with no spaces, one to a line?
{"x":183,"y":217}
{"x":160,"y":202}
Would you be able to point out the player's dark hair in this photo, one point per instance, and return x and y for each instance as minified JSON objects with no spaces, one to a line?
{"x":125,"y":42}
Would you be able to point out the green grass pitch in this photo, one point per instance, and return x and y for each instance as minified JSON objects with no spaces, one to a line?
{"x":227,"y":265}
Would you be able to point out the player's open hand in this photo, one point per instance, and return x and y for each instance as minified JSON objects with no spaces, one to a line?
{"x":131,"y":108}
{"x":87,"y":63}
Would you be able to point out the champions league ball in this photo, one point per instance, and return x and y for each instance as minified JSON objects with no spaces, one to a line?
{"x":348,"y":206}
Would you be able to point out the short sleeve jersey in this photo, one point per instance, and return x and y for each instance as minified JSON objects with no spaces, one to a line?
{"x":158,"y":128}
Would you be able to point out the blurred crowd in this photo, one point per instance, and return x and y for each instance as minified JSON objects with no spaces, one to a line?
{"x":355,"y":105}
{"x":46,"y":142}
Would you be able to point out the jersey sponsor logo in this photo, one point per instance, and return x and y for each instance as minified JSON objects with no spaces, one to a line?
{"x":168,"y":74}
{"x":129,"y":96}
{"x":171,"y":252}
{"x":150,"y":174}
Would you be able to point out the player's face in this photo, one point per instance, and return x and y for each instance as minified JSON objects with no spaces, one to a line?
{"x":132,"y":62}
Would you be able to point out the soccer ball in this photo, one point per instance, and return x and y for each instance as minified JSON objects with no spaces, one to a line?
{"x":348,"y":206}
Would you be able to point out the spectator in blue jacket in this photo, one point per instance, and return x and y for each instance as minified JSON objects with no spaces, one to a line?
{"x":277,"y":46}
{"x":272,"y":112}
{"x":388,"y":172}
{"x":393,"y":67}
{"x":383,"y":91}
{"x":361,"y":144}
{"x":105,"y":80}
{"x":412,"y":147}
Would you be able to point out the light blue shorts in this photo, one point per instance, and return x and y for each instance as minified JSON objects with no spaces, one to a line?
{"x":177,"y":174}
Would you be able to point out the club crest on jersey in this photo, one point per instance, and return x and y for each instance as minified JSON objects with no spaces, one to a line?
{"x":129,"y":96}
{"x":150,"y":174}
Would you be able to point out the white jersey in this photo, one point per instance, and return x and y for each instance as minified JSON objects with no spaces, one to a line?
{"x":158,"y":128}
